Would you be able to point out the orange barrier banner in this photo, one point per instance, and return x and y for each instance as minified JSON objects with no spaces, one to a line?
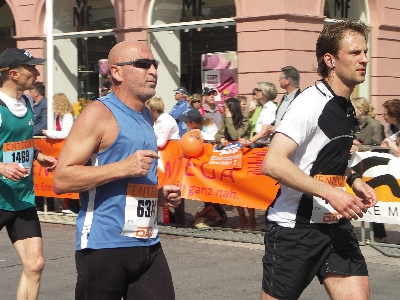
{"x":245,"y":187}
{"x":199,"y":180}
{"x":43,"y":180}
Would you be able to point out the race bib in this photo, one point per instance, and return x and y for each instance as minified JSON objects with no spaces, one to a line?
{"x":141,"y":211}
{"x":20,"y":152}
{"x":323,"y":212}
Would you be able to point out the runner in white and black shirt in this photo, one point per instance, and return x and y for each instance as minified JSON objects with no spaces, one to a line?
{"x":308,"y":231}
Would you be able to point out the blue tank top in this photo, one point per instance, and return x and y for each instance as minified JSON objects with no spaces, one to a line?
{"x":112,"y":214}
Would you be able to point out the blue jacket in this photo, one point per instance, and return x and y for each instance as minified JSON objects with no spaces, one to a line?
{"x":179,"y":108}
{"x":40,"y":119}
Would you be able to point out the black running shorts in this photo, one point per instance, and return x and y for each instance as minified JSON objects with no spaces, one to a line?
{"x":140,"y":273}
{"x":21,"y":224}
{"x":294,"y":256}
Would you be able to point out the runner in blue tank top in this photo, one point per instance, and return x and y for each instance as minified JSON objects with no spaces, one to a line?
{"x":110,"y":158}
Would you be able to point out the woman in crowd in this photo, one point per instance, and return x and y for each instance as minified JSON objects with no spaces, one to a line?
{"x":165,"y":126}
{"x":243,"y":105}
{"x":369,"y":132}
{"x":234,"y":127}
{"x":264,"y":114}
{"x":63,"y":117}
{"x":196,"y":101}
{"x":391,"y":114}
{"x":63,"y":120}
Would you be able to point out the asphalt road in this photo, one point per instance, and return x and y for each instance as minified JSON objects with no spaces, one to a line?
{"x":201,"y":268}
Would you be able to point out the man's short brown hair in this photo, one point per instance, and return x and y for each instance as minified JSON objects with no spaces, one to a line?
{"x":329,"y":41}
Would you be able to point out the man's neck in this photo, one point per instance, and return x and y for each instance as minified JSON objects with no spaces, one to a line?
{"x":290,"y":89}
{"x":338,"y":87}
{"x":37,"y":100}
{"x":11,"y":90}
{"x":130,"y":101}
{"x":210,"y":105}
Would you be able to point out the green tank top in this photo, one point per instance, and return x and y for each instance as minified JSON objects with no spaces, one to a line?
{"x":16,"y":138}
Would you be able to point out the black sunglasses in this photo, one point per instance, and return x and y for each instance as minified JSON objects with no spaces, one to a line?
{"x":255,"y":90}
{"x":196,"y":101}
{"x":141,"y":63}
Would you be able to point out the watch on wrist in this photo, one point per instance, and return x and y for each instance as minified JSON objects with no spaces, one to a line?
{"x":351,"y":178}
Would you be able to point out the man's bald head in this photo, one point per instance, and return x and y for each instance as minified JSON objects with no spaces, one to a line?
{"x":134,"y":82}
{"x":125,"y":51}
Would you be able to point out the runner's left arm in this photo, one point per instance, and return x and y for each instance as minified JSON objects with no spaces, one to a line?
{"x":49,"y":162}
{"x":363,"y":190}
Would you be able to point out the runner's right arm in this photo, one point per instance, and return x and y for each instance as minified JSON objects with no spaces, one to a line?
{"x":87,"y":137}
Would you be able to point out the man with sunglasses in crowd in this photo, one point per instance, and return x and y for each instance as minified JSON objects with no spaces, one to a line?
{"x":308,"y":230}
{"x":110,"y":158}
{"x":209,"y":109}
{"x":180,"y":107}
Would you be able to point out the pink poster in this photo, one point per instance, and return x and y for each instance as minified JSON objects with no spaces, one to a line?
{"x":220,"y":73}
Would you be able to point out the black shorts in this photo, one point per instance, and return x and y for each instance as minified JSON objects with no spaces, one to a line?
{"x":294,"y":256}
{"x":131,"y":273}
{"x":21,"y":224}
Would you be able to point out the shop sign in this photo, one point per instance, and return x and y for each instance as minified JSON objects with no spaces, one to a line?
{"x":195,"y":5}
{"x":82,"y":13}
{"x":342,"y":8}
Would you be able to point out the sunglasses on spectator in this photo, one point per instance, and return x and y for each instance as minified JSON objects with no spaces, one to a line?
{"x":196,"y":101}
{"x":255,"y":90}
{"x":211,"y":93}
{"x":141,"y":63}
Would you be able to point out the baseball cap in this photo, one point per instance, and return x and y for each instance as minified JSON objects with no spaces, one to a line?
{"x":192,"y":115}
{"x":182,"y":90}
{"x":12,"y":57}
{"x":208,"y":90}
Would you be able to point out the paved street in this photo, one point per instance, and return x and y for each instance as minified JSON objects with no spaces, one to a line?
{"x":201,"y":268}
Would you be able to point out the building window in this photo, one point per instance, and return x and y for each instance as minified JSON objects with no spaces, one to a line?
{"x":183,"y":30}
{"x":77,"y":56}
{"x":7,"y":27}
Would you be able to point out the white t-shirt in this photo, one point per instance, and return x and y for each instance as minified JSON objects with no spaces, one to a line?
{"x":165,"y":128}
{"x":66,"y":122}
{"x":211,"y":130}
{"x":267,"y":115}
